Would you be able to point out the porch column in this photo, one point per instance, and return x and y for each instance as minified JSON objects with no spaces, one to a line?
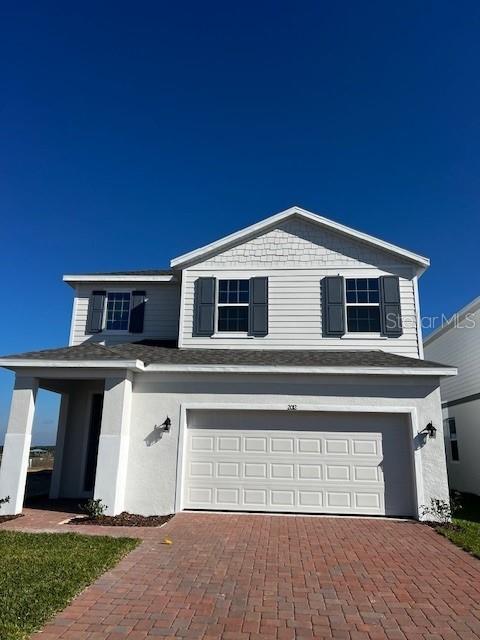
{"x":16,"y":449}
{"x":111,"y":474}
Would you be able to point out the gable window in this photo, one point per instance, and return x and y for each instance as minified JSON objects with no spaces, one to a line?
{"x":233,"y":301}
{"x":452,"y":435}
{"x":118,"y":311}
{"x":363,"y":305}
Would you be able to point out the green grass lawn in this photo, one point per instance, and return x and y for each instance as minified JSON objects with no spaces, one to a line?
{"x":41,"y":573}
{"x":466,"y":533}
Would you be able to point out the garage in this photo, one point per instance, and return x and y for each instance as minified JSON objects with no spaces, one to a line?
{"x":298,"y":462}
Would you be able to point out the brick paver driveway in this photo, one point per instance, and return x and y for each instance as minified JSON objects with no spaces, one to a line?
{"x":258,"y":576}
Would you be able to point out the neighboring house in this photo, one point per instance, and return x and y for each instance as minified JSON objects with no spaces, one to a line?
{"x":457,"y":343}
{"x":297,"y":385}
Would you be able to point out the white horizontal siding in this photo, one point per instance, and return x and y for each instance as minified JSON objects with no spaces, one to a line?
{"x":295,"y":319}
{"x":458,"y":346}
{"x":161,"y":313}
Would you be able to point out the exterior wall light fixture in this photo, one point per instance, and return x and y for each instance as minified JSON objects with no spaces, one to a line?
{"x":165,"y":426}
{"x":430,"y":430}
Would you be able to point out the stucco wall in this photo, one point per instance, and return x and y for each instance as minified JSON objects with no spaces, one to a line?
{"x":152,"y":463}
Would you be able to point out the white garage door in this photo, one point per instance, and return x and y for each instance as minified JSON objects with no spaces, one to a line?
{"x":297,"y":462}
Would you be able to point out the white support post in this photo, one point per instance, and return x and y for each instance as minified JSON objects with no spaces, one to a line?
{"x":111,"y":474}
{"x":16,"y":449}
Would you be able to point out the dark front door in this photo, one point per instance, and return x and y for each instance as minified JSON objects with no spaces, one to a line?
{"x":93,"y":439}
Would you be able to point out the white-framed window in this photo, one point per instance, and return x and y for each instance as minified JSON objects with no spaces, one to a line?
{"x":452,"y":436}
{"x":117,"y":311}
{"x":362,"y":296}
{"x":233,"y":298}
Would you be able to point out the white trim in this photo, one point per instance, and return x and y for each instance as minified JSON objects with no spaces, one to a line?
{"x":123,"y":278}
{"x":471,"y":307}
{"x":411,"y":412}
{"x":267,"y":369}
{"x":233,"y":335}
{"x":12,"y":363}
{"x":139,"y":366}
{"x":116,"y":332}
{"x":232,"y":238}
{"x":363,"y":335}
{"x":416,"y":298}
{"x":181,"y":317}
{"x":71,"y":337}
{"x":180,"y":456}
{"x":218,"y":304}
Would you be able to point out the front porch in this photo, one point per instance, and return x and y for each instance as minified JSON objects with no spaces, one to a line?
{"x":92,"y":438}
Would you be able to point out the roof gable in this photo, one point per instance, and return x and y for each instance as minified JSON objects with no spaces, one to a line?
{"x":207,"y":251}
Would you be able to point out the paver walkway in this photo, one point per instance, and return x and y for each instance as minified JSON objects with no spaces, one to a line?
{"x":252,"y":577}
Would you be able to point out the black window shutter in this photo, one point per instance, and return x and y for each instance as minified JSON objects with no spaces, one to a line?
{"x":258,"y":308}
{"x":96,"y":306}
{"x":390,"y":308}
{"x":333,"y":297}
{"x":204,"y":307}
{"x":137,"y":311}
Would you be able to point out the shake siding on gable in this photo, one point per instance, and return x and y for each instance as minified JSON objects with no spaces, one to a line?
{"x":295,"y":257}
{"x":161,"y":313}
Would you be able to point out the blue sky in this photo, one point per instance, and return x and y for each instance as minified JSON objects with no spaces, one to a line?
{"x":133,"y":132}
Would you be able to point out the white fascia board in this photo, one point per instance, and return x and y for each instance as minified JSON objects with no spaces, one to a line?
{"x":471,"y":307}
{"x":22,"y":363}
{"x":421,"y":262}
{"x":388,"y":371}
{"x":138,"y":366}
{"x":72,"y":279}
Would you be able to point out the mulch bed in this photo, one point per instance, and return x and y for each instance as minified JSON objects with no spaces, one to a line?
{"x":448,"y":526}
{"x":124,"y":520}
{"x":7,"y":518}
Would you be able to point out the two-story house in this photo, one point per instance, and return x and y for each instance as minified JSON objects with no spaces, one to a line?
{"x":457,"y":342}
{"x":277,"y":369}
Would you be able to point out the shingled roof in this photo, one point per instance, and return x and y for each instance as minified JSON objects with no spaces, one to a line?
{"x":150,"y":352}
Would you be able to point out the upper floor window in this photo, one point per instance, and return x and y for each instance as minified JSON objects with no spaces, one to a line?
{"x":452,"y":435}
{"x":233,"y":301}
{"x":363,"y":305}
{"x":118,"y":311}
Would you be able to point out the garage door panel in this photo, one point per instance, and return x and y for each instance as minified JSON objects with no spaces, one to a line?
{"x":309,"y":472}
{"x":228,"y":470}
{"x":310,"y":446}
{"x":255,"y":470}
{"x":282,"y":470}
{"x":229,"y":443}
{"x":291,"y":471}
{"x":254,"y":444}
{"x":228,"y":496}
{"x":278,"y":469}
{"x":253,"y":498}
